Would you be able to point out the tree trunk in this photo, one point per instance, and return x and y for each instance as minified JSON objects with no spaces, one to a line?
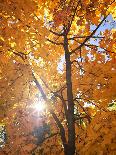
{"x":70,"y":118}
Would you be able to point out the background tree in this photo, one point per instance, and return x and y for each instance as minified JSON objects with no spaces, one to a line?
{"x":61,"y":55}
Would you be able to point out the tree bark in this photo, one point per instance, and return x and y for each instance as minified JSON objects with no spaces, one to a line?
{"x":70,"y":118}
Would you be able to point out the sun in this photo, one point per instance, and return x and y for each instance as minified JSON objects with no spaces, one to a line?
{"x":39,"y":106}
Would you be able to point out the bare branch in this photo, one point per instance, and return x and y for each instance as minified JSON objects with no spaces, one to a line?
{"x":77,"y":37}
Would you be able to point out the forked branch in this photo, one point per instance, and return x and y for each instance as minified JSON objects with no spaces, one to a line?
{"x":87,"y":38}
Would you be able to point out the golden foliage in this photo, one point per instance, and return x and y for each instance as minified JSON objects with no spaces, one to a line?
{"x":32,"y":46}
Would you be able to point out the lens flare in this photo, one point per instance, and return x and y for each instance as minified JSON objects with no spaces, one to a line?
{"x":40,"y":106}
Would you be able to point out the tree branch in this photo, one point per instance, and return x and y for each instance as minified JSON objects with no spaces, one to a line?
{"x":62,"y":131}
{"x":59,"y":124}
{"x":53,"y":42}
{"x":87,"y":38}
{"x":70,"y":22}
{"x":88,"y":117}
{"x":59,"y":96}
{"x":21,"y":55}
{"x":57,"y":34}
{"x":39,"y":87}
{"x":73,"y":38}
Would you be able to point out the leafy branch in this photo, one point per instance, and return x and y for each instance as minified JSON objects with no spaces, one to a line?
{"x":87,"y":38}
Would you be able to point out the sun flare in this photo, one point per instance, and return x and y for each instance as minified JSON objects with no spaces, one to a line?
{"x":40,"y":106}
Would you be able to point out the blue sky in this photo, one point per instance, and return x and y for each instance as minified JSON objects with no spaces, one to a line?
{"x":109,"y":24}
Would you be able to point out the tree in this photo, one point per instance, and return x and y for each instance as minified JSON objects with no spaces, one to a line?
{"x":35,"y":38}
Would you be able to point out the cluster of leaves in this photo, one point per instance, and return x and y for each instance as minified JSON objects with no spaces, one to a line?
{"x":33,"y":41}
{"x":99,"y":137}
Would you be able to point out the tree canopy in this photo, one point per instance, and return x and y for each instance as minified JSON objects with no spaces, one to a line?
{"x":57,"y":77}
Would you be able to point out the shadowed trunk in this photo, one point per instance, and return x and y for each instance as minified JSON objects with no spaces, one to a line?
{"x":70,"y":121}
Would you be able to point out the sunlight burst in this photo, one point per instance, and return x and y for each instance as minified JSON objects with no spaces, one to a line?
{"x":40,"y":106}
